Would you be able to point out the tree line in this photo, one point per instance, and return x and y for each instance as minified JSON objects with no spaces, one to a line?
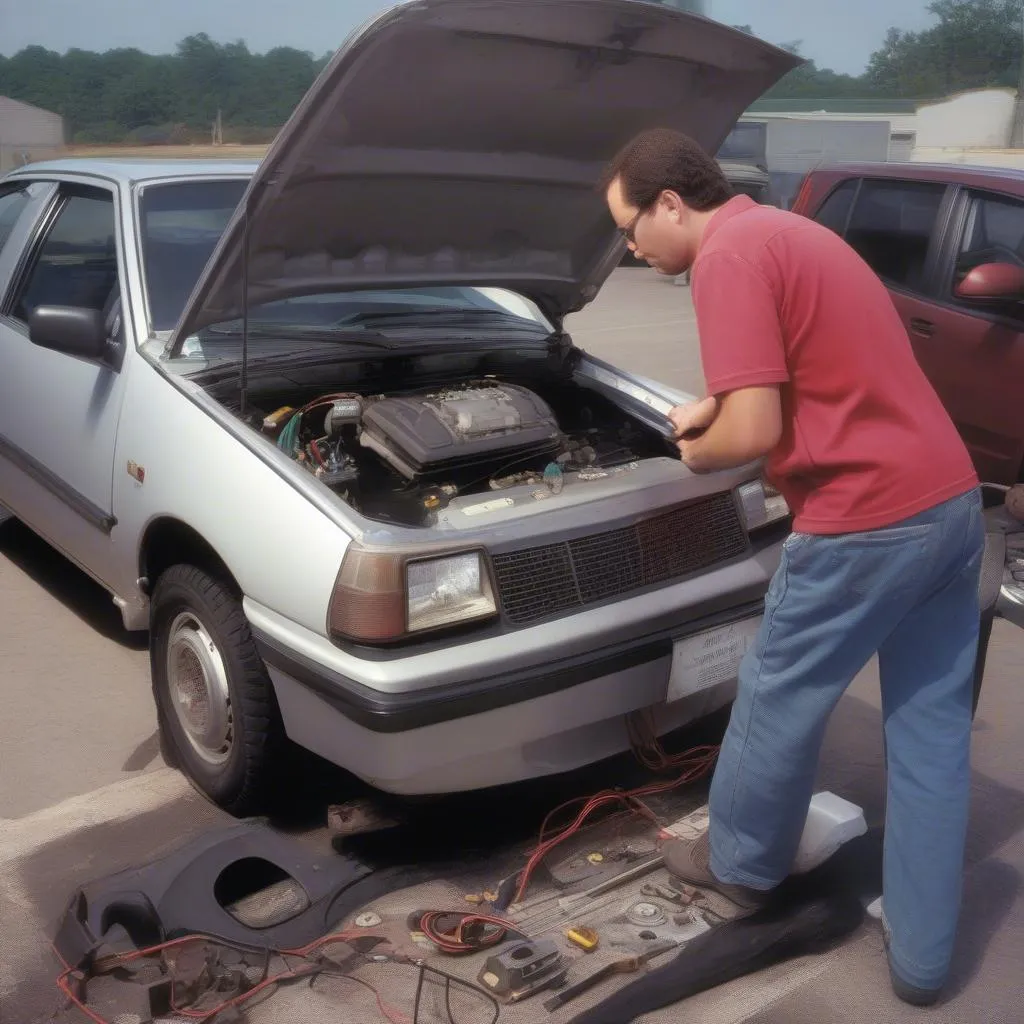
{"x":127,"y":95}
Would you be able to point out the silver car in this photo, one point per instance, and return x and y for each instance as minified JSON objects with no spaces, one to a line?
{"x":316,"y":425}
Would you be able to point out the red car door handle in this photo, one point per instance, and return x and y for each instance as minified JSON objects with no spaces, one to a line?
{"x":923,"y":327}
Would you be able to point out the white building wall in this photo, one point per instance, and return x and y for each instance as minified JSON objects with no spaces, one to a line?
{"x":979,"y":119}
{"x":27,"y":133}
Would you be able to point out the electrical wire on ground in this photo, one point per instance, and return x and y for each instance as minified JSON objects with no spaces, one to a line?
{"x":696,"y":763}
{"x":310,"y":968}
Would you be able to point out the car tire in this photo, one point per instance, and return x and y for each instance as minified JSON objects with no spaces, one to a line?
{"x":218,"y":715}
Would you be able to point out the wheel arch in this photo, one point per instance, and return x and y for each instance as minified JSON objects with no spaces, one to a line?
{"x":170,"y":541}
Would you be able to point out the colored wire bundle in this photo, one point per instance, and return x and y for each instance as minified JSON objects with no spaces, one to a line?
{"x":696,"y":763}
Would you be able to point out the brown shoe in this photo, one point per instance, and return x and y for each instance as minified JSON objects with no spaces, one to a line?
{"x":690,"y":861}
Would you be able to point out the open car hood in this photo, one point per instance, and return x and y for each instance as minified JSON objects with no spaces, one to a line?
{"x":458,"y":142}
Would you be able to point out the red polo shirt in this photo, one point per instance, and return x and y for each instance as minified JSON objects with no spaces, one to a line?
{"x":865,"y":440}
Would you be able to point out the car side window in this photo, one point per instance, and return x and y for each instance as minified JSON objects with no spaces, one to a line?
{"x":835,"y":211}
{"x":891,"y":227}
{"x":12,"y":201}
{"x":994,"y":233}
{"x":76,"y":263}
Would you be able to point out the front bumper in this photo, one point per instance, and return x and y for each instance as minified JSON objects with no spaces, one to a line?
{"x":481,"y":712}
{"x":402,"y":712}
{"x":500,"y":730}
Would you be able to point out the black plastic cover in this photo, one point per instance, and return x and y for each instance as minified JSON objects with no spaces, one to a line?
{"x":178,"y":894}
{"x":417,"y":433}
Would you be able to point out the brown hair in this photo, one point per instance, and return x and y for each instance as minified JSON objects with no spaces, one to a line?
{"x":660,"y":159}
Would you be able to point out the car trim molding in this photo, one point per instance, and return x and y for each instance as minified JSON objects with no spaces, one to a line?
{"x":88,"y":510}
{"x":398,"y":712}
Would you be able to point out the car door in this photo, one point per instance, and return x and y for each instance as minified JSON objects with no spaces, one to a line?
{"x":58,"y":413}
{"x":895,"y":225}
{"x":974,"y":355}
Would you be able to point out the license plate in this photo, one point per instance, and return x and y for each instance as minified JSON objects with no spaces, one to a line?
{"x":714,"y":656}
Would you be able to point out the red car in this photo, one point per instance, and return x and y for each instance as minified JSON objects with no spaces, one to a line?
{"x":949,"y":244}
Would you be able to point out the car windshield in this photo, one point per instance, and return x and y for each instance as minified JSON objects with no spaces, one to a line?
{"x":182,"y":222}
{"x":391,"y":312}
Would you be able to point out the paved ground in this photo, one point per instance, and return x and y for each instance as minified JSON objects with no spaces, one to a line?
{"x":83,"y":791}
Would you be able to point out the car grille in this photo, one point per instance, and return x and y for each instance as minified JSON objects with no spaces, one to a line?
{"x":541,"y":581}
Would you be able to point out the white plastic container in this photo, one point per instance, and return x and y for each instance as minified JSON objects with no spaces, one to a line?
{"x":831,"y":821}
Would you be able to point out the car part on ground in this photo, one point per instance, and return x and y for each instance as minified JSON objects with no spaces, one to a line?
{"x":522,"y":968}
{"x":586,"y":938}
{"x":244,"y":883}
{"x":243,"y":909}
{"x":355,"y":817}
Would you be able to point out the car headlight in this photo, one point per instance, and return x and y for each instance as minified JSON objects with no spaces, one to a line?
{"x":762,"y":505}
{"x":446,"y":590}
{"x":385,"y":596}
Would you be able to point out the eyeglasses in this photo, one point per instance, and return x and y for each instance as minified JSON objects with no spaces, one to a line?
{"x":629,"y":231}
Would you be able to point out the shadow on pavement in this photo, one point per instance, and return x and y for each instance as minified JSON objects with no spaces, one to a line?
{"x":67,"y":583}
{"x":852,"y":766}
{"x":991,"y":890}
{"x":143,"y":755}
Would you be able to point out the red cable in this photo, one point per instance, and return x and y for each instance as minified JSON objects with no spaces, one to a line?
{"x":698,"y":760}
{"x":204,"y":1015}
{"x":454,"y":942}
{"x":62,"y":985}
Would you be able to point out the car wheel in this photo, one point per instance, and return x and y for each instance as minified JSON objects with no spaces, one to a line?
{"x":215,"y":703}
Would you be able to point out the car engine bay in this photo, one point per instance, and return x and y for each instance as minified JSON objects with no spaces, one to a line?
{"x":401,"y":454}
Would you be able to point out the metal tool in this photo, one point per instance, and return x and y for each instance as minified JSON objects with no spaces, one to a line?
{"x":624,"y":966}
{"x":612,"y":883}
{"x":646,"y":915}
{"x":664,"y":892}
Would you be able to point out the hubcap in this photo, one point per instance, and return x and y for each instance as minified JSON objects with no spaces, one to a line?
{"x":199,"y":692}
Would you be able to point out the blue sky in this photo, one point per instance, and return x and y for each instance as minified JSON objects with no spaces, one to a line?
{"x":836,"y":33}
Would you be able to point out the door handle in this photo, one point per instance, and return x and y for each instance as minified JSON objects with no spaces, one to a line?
{"x":923,"y":327}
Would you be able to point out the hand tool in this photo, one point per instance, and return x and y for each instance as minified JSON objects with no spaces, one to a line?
{"x":625,"y":966}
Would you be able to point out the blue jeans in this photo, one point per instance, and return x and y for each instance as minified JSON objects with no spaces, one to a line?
{"x":910,"y":593}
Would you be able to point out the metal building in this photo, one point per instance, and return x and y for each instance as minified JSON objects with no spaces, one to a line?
{"x":28,"y":133}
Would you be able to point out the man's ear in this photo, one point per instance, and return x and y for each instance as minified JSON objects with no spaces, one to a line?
{"x":673,"y":205}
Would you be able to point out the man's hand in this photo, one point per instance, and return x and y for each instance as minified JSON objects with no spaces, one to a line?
{"x":694,"y":417}
{"x":746,"y":425}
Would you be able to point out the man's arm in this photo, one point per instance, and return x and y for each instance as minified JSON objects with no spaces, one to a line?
{"x":748,"y":426}
{"x":744,"y":359}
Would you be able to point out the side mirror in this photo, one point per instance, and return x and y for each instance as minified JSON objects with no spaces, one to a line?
{"x":990,"y":281}
{"x":69,"y":329}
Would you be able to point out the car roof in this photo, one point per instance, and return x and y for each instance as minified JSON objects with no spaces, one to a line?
{"x":961,"y":174}
{"x":131,"y":170}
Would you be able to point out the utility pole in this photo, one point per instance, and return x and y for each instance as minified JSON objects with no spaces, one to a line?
{"x":1017,"y":134}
